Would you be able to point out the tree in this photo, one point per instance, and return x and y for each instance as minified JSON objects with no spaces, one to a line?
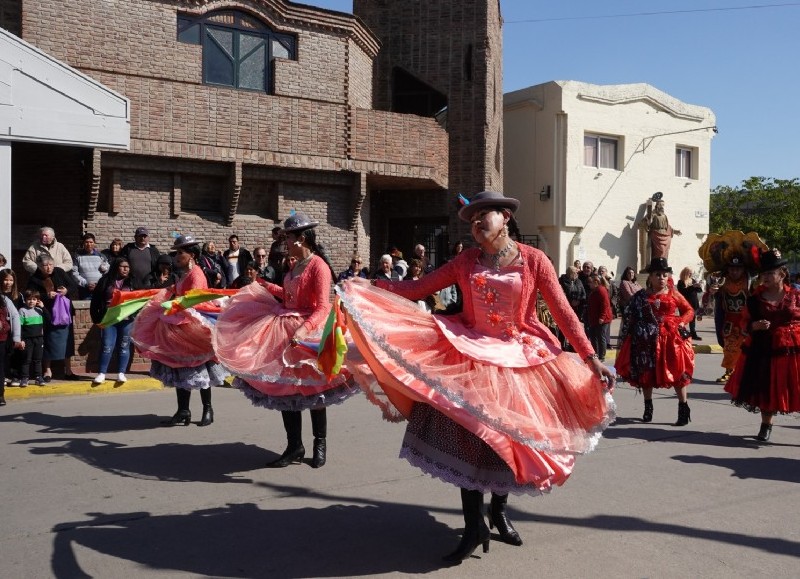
{"x":770,"y":207}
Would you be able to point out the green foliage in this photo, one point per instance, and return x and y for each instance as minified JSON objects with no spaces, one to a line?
{"x":770,"y":207}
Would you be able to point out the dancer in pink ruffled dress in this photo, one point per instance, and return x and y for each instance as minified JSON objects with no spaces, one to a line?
{"x":492,"y":403}
{"x":255,"y":334}
{"x":179,"y":344}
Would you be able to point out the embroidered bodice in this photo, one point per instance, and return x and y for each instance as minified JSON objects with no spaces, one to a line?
{"x":194,"y":279}
{"x":307,"y":293}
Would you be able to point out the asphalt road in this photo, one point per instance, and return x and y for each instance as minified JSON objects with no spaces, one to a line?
{"x":92,"y":486}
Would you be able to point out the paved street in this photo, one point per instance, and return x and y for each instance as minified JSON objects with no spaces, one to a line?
{"x":93,"y":487}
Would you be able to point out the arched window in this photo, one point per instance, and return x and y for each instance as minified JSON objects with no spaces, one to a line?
{"x":237,"y":48}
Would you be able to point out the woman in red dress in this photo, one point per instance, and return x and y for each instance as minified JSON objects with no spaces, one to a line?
{"x":655,"y":353}
{"x":255,"y":332}
{"x":766,"y":378}
{"x":492,"y":403}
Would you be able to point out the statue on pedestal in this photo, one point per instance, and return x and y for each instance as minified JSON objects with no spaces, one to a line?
{"x":655,"y":232}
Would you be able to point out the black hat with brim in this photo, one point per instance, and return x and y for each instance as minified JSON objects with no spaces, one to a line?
{"x":771,"y":259}
{"x":487,"y":199}
{"x":658,"y":264}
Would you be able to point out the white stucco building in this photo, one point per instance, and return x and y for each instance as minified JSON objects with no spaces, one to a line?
{"x":584,"y":159}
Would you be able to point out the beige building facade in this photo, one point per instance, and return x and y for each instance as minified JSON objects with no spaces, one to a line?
{"x":586,"y":159}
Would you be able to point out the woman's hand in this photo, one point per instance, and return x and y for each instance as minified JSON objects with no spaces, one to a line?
{"x":603,"y":373}
{"x":299,"y":335}
{"x":761,"y":325}
{"x":52,"y":295}
{"x":62,"y":290}
{"x":19,"y":345}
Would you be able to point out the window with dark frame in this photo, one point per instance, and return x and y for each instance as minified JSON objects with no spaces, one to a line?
{"x":237,"y":49}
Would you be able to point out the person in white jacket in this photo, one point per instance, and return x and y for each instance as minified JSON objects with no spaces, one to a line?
{"x":47,"y":244}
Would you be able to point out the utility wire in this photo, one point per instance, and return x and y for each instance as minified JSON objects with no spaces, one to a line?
{"x":637,"y":14}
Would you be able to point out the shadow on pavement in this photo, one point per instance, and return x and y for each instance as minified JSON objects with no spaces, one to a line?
{"x":242,"y":540}
{"x":656,"y":433}
{"x":78,"y":424}
{"x":767,"y":468}
{"x":214,"y":463}
{"x":627,"y":524}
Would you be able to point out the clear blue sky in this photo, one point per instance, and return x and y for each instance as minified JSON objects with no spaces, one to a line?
{"x":739,"y":61}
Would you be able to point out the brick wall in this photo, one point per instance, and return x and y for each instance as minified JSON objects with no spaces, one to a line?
{"x":456,"y":48}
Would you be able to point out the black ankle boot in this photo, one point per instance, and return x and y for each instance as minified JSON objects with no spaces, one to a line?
{"x":684,"y":414}
{"x":475,"y":530}
{"x":208,"y":412}
{"x":764,"y":432}
{"x":498,"y":518}
{"x":648,"y":411}
{"x":183,"y":415}
{"x":319,"y":453}
{"x":292,"y":454}
{"x":208,"y":416}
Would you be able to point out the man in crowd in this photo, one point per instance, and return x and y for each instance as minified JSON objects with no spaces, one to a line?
{"x":89,"y":266}
{"x":236,"y":257}
{"x":47,"y":244}
{"x":420,"y":254}
{"x":277,"y":253}
{"x":264,"y":270}
{"x":141,"y":255}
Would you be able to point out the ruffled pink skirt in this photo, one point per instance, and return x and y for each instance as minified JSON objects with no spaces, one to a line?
{"x":534,"y":418}
{"x":251,"y":340}
{"x":180,"y":340}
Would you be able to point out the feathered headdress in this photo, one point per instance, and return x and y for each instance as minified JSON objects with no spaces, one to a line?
{"x":720,"y":250}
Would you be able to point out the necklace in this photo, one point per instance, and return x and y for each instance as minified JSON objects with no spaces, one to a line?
{"x":496,"y":257}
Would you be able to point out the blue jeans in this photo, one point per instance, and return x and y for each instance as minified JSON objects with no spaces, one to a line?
{"x":118,"y":335}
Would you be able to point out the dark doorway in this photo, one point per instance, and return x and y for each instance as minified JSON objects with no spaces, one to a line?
{"x":406,"y":232}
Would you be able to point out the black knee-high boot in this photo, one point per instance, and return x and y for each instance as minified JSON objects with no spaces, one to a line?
{"x":208,"y":412}
{"x":475,"y":530}
{"x":319,"y":425}
{"x":498,"y":518}
{"x":293,"y":423}
{"x":183,"y":414}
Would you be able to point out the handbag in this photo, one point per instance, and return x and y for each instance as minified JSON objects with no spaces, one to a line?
{"x":61,"y":315}
{"x":684,"y":332}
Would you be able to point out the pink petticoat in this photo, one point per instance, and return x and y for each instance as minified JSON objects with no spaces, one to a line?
{"x":251,"y":339}
{"x":535,"y":418}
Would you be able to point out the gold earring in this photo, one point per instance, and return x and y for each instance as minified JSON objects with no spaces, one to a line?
{"x":504,"y":231}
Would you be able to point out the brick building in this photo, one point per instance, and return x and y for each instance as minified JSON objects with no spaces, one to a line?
{"x":242,"y":110}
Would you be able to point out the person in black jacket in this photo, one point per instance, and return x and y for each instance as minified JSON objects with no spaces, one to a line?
{"x":164,"y":276}
{"x":213,"y":265}
{"x":59,"y":340}
{"x":116,"y":335}
{"x":141,"y":255}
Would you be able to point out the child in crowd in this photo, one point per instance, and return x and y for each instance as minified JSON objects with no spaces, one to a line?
{"x":32,"y":317}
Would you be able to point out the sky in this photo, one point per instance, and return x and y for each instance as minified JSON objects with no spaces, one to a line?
{"x":740,"y":58}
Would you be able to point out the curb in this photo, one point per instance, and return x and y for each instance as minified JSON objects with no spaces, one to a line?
{"x":81,"y":387}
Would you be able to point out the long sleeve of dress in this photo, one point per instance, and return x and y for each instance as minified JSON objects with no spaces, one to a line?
{"x":319,"y":288}
{"x":421,"y":288}
{"x":561,"y":310}
{"x":684,"y":307}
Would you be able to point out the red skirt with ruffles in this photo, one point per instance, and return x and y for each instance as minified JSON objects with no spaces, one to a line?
{"x":767,"y":374}
{"x":674,"y":360}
